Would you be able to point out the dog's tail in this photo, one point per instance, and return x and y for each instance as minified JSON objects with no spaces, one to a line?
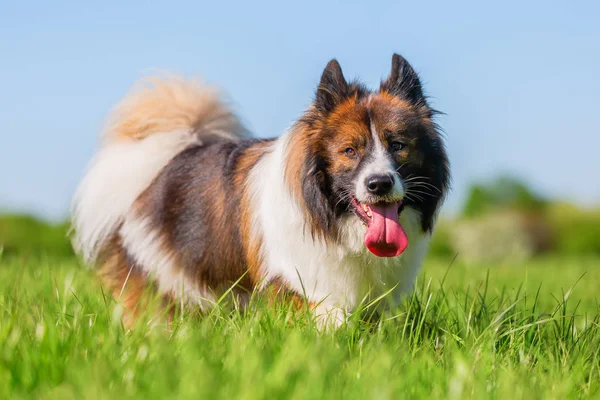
{"x":155,"y":122}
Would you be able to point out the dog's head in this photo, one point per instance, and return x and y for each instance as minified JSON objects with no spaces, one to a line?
{"x":369,"y":155}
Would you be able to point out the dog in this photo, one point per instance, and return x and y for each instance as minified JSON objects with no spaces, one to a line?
{"x":338,"y":209}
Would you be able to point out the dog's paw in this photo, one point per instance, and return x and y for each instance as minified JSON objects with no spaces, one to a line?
{"x":329,"y":318}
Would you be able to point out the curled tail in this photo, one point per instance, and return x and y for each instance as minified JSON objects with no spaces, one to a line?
{"x":151,"y":125}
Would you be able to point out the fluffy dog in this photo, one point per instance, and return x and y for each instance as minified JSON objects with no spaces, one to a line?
{"x":338,"y":209}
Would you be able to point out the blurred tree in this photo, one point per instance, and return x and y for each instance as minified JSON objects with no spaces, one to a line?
{"x":577,"y":229}
{"x":503,"y":193}
{"x":505,"y":218}
{"x":27,"y":235}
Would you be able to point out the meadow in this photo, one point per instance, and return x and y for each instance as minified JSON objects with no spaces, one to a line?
{"x":502,"y":330}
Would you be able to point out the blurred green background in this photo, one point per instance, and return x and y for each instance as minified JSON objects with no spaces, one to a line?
{"x":506,"y":220}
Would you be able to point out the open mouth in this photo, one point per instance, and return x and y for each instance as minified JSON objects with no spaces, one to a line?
{"x":385,"y":236}
{"x":364,"y":212}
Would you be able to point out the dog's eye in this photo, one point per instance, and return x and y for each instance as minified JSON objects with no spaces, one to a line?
{"x":350,"y":152}
{"x":397,"y":146}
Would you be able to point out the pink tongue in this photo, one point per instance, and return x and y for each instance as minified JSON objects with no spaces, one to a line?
{"x":385,"y":236}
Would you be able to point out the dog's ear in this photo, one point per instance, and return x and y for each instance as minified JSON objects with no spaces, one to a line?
{"x":315,"y":191}
{"x":403,"y":81}
{"x":333,"y":87}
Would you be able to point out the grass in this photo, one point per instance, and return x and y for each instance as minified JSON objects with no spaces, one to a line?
{"x":501,"y":331}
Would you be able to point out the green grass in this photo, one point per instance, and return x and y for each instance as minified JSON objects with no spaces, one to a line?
{"x":501,"y":331}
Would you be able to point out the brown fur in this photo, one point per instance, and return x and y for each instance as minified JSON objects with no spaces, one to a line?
{"x":216,"y":278}
{"x":278,"y":292}
{"x":199,"y":202}
{"x":347,"y":125}
{"x":126,"y":283}
{"x":158,"y":105}
{"x":299,"y":141}
{"x":251,"y":241}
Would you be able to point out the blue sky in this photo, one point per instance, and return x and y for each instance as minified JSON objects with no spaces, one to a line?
{"x":519,"y":81}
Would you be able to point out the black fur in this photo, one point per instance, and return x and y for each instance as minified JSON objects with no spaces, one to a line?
{"x":196,"y":207}
{"x":333,"y":87}
{"x":325,"y":194}
{"x":318,"y":194}
{"x":404,"y":81}
{"x":195,"y":204}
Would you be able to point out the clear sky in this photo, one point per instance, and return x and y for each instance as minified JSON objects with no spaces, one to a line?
{"x":519,"y":81}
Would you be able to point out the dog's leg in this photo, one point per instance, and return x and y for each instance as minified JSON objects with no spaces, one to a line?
{"x":126,"y":283}
{"x":278,"y":292}
{"x":329,"y":317}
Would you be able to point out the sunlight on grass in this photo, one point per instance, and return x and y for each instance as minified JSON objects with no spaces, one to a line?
{"x":505,"y":331}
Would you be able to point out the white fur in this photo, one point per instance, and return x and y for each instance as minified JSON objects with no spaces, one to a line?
{"x":379,"y":165}
{"x":336,"y":276}
{"x":117,"y":175}
{"x":151,"y":125}
{"x":145,"y":246}
{"x":340,"y":276}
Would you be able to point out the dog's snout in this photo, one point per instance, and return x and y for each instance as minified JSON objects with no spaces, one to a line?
{"x":379,"y":185}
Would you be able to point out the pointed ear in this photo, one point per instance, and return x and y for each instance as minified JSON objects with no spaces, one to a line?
{"x":332,"y":89}
{"x":403,"y":81}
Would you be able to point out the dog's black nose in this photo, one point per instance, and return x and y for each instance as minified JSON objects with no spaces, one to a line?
{"x":379,"y":185}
